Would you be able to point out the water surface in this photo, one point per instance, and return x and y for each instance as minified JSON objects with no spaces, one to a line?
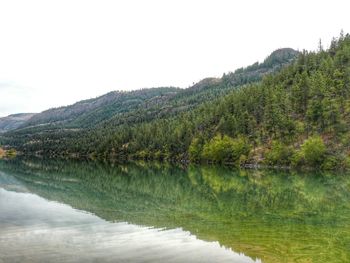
{"x":54,"y":211}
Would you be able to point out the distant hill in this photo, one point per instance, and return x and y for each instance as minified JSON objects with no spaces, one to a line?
{"x":87,"y":113}
{"x":14,"y":121}
{"x":117,"y":107}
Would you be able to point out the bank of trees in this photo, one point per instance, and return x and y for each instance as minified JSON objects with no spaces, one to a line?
{"x":299,"y":116}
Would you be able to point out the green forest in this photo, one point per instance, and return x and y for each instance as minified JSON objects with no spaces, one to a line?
{"x":294,"y":115}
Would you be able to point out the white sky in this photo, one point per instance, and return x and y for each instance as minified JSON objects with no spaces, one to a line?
{"x":54,"y":53}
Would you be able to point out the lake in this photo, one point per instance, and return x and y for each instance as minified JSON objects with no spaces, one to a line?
{"x":70,"y":211}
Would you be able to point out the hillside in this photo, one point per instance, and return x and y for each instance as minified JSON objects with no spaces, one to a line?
{"x":14,"y":121}
{"x":210,"y":88}
{"x":151,"y":123}
{"x":297,"y":117}
{"x":87,"y":113}
{"x":147,"y":104}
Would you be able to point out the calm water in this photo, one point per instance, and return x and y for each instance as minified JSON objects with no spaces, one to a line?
{"x":87,"y":212}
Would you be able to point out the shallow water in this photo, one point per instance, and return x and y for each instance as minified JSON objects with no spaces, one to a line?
{"x":54,"y":211}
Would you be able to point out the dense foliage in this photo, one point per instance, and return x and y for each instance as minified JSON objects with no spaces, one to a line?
{"x":299,"y":116}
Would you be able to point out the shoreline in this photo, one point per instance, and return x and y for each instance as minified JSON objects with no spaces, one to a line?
{"x":182,"y":162}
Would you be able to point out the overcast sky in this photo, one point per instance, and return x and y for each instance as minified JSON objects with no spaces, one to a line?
{"x":54,"y":53}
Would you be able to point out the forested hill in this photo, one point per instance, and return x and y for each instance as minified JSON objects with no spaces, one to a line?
{"x":148,"y":104}
{"x":297,"y":115}
{"x":87,"y":113}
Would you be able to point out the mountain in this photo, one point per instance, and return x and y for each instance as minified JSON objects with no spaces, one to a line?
{"x":149,"y":123}
{"x":211,"y":88}
{"x":148,"y":104}
{"x":14,"y":121}
{"x":89,"y":112}
{"x":274,"y":62}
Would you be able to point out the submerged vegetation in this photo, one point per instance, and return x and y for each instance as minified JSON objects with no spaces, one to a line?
{"x":298,"y":116}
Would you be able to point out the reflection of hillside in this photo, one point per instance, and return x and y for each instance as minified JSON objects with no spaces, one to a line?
{"x":263,"y":214}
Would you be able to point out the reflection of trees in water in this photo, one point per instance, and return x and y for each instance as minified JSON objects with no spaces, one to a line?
{"x":266,"y":214}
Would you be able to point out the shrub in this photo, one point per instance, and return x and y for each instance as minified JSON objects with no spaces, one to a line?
{"x":312,"y":153}
{"x":337,"y":161}
{"x":225,"y":149}
{"x":297,"y":159}
{"x":330,"y":163}
{"x":314,"y":150}
{"x":346,"y":163}
{"x":279,"y":154}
